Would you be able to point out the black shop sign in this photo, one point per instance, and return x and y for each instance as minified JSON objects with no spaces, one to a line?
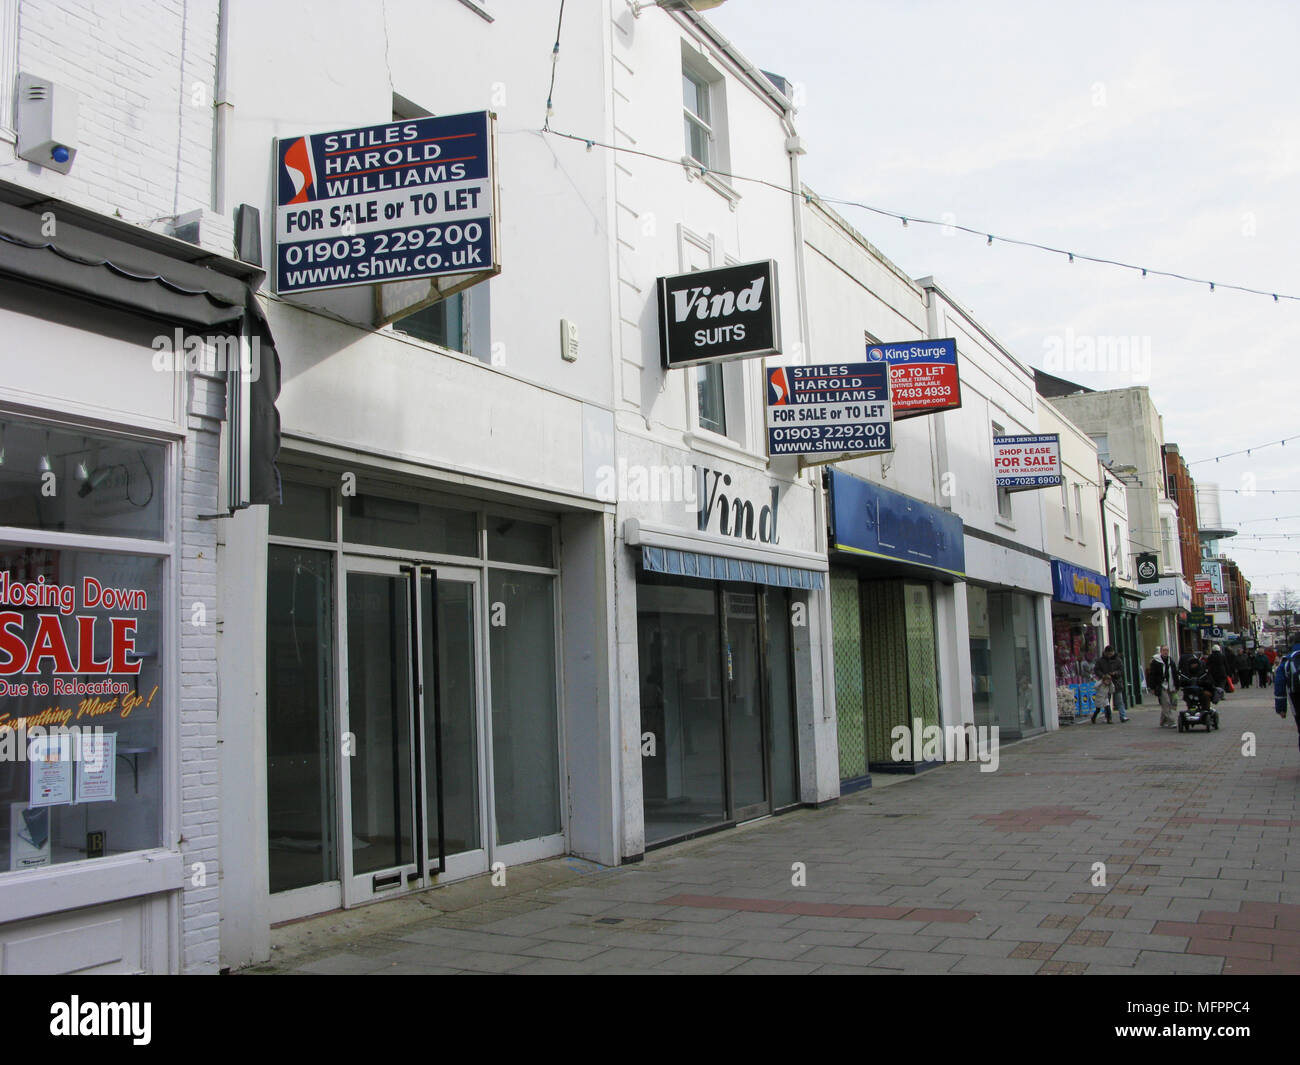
{"x":714,"y":315}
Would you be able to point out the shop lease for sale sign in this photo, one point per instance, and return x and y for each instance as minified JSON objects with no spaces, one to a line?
{"x":394,"y":202}
{"x":1021,"y":462}
{"x":829,"y":410}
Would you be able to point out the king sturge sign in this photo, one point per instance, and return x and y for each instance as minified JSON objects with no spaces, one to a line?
{"x":714,"y":315}
{"x":396,"y":202}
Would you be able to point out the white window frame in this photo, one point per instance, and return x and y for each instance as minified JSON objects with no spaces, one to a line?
{"x":1004,"y":515}
{"x":1065,"y":506}
{"x":1078,"y":511}
{"x":151,"y":870}
{"x":704,"y":87}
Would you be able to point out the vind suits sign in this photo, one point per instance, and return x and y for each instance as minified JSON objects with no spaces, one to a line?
{"x":716,"y":315}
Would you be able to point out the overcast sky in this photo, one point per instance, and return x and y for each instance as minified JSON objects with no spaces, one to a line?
{"x":1162,"y":134}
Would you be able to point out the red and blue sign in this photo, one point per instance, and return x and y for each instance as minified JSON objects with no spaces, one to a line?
{"x":923,"y":375}
{"x":394,"y":202}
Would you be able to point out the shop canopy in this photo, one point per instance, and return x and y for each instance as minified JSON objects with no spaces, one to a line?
{"x":715,"y":568}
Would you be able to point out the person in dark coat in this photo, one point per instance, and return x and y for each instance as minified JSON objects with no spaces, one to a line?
{"x":1262,"y":667}
{"x":1245,"y":668}
{"x":1217,"y":666}
{"x":1109,"y":671}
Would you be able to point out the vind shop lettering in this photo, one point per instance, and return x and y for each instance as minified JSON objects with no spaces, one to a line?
{"x":703,"y":304}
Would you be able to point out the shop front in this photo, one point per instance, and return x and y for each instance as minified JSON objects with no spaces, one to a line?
{"x":1125,"y":613}
{"x":1008,"y":597}
{"x":726,"y":604}
{"x":412,"y":690}
{"x":1160,"y":617}
{"x":1079,"y":599}
{"x":894,"y":561}
{"x":111,"y":413}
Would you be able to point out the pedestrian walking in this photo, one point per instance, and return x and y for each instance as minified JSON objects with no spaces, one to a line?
{"x":1217,"y":666}
{"x":1286,"y":683}
{"x":1262,"y":667}
{"x":1245,"y":670}
{"x":1162,"y":681}
{"x":1110,"y":685}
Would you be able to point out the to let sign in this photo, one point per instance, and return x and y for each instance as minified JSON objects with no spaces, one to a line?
{"x":715,"y":315}
{"x":1021,"y":462}
{"x":818,"y":410}
{"x":396,"y":202}
{"x":922,"y":375}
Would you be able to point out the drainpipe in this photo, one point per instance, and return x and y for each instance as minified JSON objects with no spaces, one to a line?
{"x":221,"y":110}
{"x":794,"y":148}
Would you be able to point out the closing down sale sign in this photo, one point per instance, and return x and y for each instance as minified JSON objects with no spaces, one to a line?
{"x":400,"y":201}
{"x":1021,"y":462}
{"x":818,"y":410}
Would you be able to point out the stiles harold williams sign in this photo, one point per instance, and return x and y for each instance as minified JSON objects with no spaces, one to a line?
{"x":818,"y":410}
{"x":395,"y":202}
{"x":713,"y":315}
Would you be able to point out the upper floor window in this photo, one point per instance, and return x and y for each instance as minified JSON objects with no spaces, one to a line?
{"x":1005,"y":509}
{"x":442,"y":323}
{"x":1078,"y":510}
{"x":698,"y":116}
{"x":711,"y":393}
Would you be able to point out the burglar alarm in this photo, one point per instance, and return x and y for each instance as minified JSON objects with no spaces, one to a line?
{"x":47,"y":123}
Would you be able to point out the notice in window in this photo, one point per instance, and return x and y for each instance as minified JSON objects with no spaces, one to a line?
{"x":50,"y":758}
{"x":97,"y":768}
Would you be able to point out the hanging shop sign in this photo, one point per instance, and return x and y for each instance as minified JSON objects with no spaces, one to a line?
{"x":1148,"y":568}
{"x":1021,"y":462}
{"x":395,"y":202}
{"x":877,"y":522}
{"x":1197,"y":617}
{"x":819,"y":410}
{"x":1214,"y":570}
{"x":1082,"y":587}
{"x":922,"y":376}
{"x":716,"y":315}
{"x":1168,"y":593}
{"x":1202,"y":584}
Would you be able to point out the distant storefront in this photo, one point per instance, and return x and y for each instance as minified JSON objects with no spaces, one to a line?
{"x":893,"y":559}
{"x":1080,"y":598}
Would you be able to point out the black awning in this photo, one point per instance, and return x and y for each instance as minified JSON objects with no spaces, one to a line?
{"x":48,"y":249}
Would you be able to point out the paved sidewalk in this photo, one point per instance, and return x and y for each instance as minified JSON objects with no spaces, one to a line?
{"x":954,"y":871}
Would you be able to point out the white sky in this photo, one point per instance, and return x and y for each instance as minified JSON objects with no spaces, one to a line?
{"x":1163,"y":134}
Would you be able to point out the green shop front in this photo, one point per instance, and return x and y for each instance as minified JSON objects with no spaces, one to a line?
{"x":891,"y":557}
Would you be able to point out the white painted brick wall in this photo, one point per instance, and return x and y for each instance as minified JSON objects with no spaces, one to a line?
{"x":145,"y":144}
{"x":200,"y":776}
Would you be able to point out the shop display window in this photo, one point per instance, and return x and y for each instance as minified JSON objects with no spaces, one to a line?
{"x":82,"y":705}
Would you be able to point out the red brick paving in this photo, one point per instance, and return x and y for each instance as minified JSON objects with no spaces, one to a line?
{"x":1261,"y":937}
{"x":1032,"y":818}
